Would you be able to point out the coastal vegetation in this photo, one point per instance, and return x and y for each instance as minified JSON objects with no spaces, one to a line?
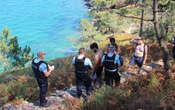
{"x":12,"y":56}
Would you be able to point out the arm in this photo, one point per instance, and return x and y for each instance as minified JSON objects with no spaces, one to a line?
{"x":88,"y":63}
{"x":49,"y":72}
{"x":117,"y":61}
{"x":118,"y":50}
{"x":102,"y":60}
{"x":146,"y":55}
{"x":43,"y":68}
{"x":73,"y":60}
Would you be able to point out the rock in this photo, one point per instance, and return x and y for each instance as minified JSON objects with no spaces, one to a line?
{"x":154,"y":65}
{"x":147,"y":68}
{"x":54,"y":101}
{"x":159,"y":62}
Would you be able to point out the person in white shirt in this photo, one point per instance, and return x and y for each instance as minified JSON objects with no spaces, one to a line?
{"x":140,"y":54}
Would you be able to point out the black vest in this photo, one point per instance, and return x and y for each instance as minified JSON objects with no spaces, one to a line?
{"x":37,"y":72}
{"x":109,"y":62}
{"x":80,"y":67}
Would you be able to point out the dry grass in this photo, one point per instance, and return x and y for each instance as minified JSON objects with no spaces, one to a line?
{"x":151,"y":92}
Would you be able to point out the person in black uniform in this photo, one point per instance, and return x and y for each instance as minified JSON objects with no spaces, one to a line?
{"x":82,"y":66}
{"x":42,"y":71}
{"x":111,"y":62}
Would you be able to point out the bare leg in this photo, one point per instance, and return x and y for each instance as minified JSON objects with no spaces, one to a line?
{"x":138,"y":71}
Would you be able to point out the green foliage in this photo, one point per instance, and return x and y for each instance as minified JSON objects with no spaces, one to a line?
{"x":134,"y":95}
{"x":12,"y":55}
{"x":100,"y":5}
{"x":153,"y":82}
{"x":3,"y":94}
{"x":89,"y":34}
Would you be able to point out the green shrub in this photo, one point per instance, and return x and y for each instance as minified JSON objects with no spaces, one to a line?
{"x":3,"y":94}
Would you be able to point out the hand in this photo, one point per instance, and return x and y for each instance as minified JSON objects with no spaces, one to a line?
{"x":51,"y":68}
{"x":144,"y":62}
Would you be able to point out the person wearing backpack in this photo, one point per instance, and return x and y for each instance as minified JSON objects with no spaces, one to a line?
{"x":117,"y":49}
{"x":42,"y":71}
{"x":82,"y":66}
{"x":111,"y":62}
{"x":98,"y":53}
{"x":173,"y":42}
{"x":140,"y":55}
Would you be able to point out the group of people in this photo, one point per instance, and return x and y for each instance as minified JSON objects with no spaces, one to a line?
{"x":110,"y":60}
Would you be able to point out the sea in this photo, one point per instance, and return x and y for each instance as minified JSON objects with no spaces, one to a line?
{"x":44,"y":24}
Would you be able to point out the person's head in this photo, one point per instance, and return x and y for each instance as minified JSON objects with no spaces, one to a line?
{"x":40,"y":54}
{"x":112,"y":40}
{"x":110,"y":49}
{"x":94,"y":47}
{"x":81,"y":51}
{"x":139,"y":40}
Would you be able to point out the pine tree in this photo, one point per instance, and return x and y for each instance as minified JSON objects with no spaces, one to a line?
{"x":12,"y":55}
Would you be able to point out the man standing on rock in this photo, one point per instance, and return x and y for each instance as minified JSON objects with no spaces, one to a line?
{"x":111,"y":63}
{"x":42,"y":71}
{"x":98,"y":53}
{"x":140,"y":55}
{"x":82,"y":66}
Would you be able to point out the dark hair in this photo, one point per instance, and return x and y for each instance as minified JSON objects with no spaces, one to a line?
{"x":81,"y":50}
{"x":112,"y":40}
{"x":94,"y":45}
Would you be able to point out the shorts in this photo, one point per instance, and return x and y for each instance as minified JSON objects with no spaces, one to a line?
{"x":99,"y":71}
{"x":137,"y":60}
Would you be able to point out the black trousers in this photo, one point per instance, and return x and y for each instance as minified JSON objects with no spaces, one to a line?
{"x":43,"y":85}
{"x":110,"y":76}
{"x":82,"y":79}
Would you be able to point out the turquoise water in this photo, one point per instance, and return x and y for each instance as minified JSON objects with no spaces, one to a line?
{"x":43,"y":24}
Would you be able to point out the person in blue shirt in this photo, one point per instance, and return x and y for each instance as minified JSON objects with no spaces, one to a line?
{"x":173,"y":42}
{"x":82,"y":66}
{"x":111,"y":63}
{"x":42,"y":71}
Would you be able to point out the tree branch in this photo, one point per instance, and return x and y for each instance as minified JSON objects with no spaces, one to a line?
{"x":134,"y":17}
